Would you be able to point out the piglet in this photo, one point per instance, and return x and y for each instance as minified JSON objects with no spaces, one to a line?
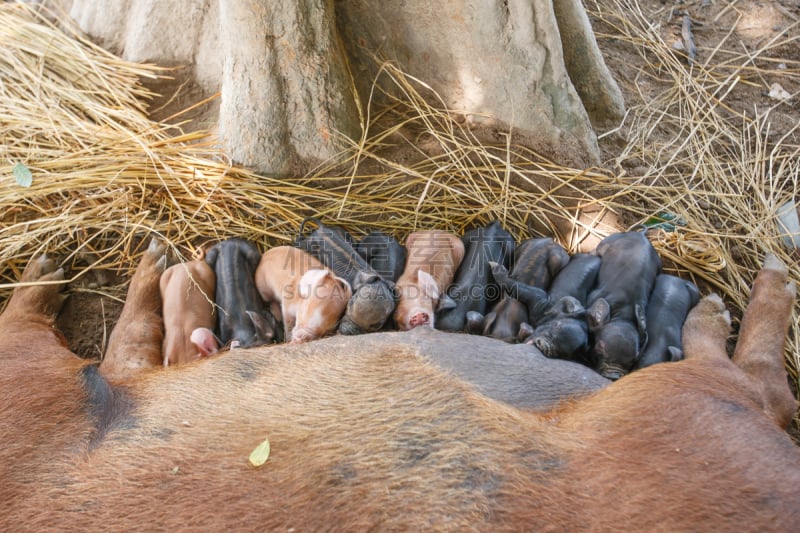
{"x":562,"y":332}
{"x":670,"y":302}
{"x":383,"y":253}
{"x":305,"y":295}
{"x":373,"y":297}
{"x":507,"y":321}
{"x":616,"y":312}
{"x":433,"y":257}
{"x":473,"y":288}
{"x":560,"y":326}
{"x":242,"y":319}
{"x":536,"y":263}
{"x":187,"y":290}
{"x":576,"y":279}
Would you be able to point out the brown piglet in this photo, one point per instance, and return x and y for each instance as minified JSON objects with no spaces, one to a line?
{"x":309,"y":298}
{"x":187,"y":291}
{"x":432,"y":259}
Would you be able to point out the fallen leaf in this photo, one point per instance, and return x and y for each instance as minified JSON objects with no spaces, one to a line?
{"x":23,"y":175}
{"x":260,"y":455}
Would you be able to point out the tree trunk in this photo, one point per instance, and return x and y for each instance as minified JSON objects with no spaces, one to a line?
{"x":599,"y":92}
{"x":284,"y":67}
{"x":285,"y":87}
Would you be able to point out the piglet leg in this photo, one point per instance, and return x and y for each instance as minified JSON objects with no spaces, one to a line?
{"x":759,"y":351}
{"x":135,"y":342}
{"x":534,"y":298}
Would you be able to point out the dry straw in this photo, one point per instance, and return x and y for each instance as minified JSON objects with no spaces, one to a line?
{"x":719,"y":169}
{"x":105,"y":175}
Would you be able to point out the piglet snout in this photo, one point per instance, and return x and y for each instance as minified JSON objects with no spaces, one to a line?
{"x":542,"y":345}
{"x":612,"y":373}
{"x":419,"y":319}
{"x":301,"y":335}
{"x":205,"y":341}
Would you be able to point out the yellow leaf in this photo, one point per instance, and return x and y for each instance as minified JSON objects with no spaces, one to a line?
{"x":260,"y":455}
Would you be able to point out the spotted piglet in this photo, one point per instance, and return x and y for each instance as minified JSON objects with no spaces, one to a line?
{"x":309,"y":298}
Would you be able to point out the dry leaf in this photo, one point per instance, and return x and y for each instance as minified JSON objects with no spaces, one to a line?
{"x":260,"y":455}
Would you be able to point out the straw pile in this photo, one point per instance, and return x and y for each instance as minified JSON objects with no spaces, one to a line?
{"x":104,"y":175}
{"x":102,"y":172}
{"x":718,"y":169}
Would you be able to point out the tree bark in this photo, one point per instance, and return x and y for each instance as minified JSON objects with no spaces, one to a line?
{"x":599,"y":92}
{"x":285,"y":88}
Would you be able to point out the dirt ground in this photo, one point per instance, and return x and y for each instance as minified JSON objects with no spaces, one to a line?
{"x":721,"y":30}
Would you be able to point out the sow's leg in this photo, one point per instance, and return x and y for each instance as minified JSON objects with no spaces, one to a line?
{"x":759,"y":351}
{"x":135,"y":342}
{"x":35,"y":304}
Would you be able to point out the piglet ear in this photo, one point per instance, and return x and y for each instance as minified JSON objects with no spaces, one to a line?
{"x":694,"y":294}
{"x":428,"y":285}
{"x":598,"y":314}
{"x":264,"y":329}
{"x":205,"y":341}
{"x":675,"y":353}
{"x":310,"y":279}
{"x":446,"y":303}
{"x":570,"y":305}
{"x":641,"y":322}
{"x":363,"y":278}
{"x":499,"y":273}
{"x":525,"y":331}
{"x":344,"y":286}
{"x":482,"y":321}
{"x":557,"y":260}
{"x":211,"y":256}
